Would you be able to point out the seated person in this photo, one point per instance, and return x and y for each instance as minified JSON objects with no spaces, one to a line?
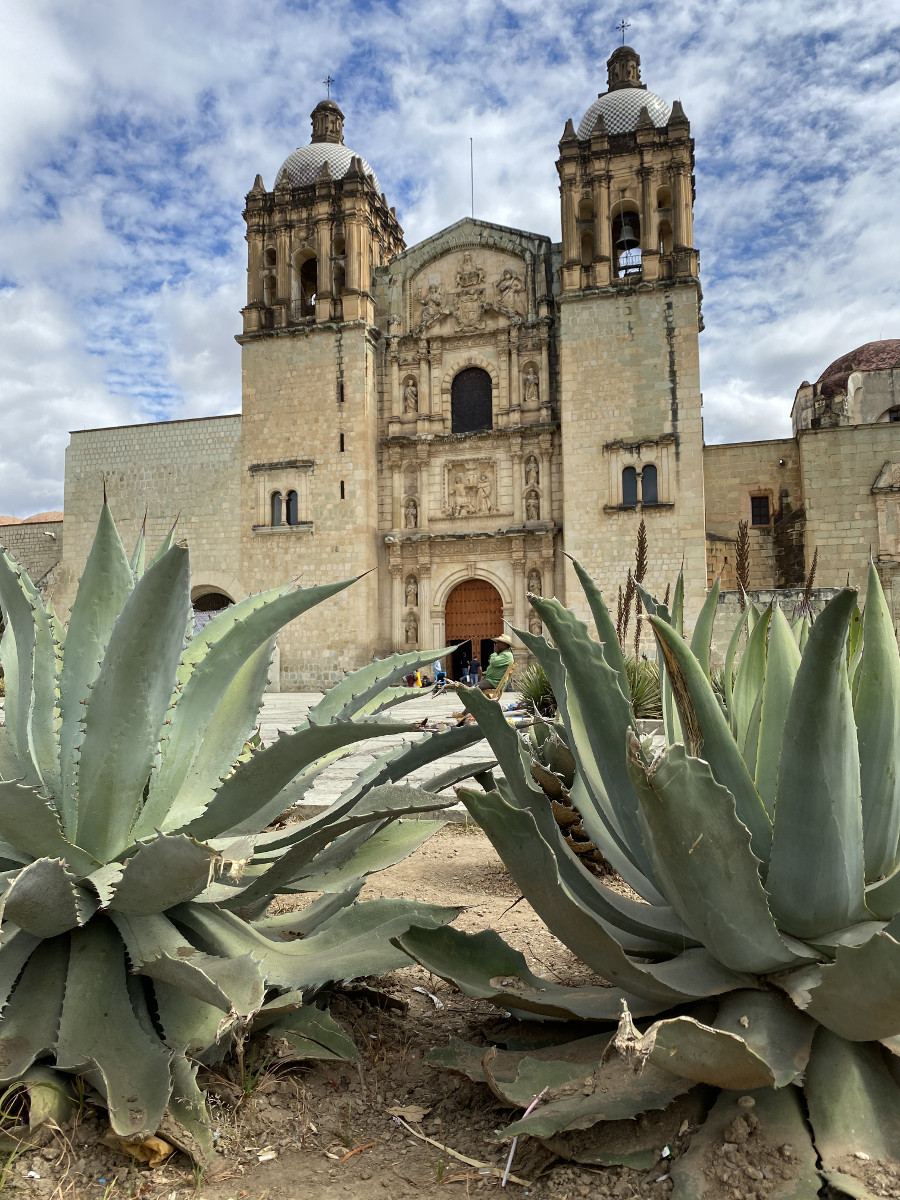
{"x":472,"y":673}
{"x":497,"y":663}
{"x":440,"y":675}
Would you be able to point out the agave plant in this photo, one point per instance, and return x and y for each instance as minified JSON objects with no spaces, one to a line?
{"x":761,"y":941}
{"x":137,"y":863}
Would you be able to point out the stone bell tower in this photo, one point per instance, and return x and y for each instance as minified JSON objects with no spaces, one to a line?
{"x":309,"y":440}
{"x":629,"y":321}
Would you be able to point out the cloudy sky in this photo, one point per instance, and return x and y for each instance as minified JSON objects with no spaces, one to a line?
{"x":133,"y":130}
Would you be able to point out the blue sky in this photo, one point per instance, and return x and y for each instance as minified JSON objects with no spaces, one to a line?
{"x":133,"y":131}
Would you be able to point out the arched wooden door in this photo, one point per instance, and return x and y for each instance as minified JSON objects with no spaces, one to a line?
{"x":473,"y":614}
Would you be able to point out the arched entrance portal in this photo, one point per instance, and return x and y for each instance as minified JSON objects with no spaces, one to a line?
{"x":473,"y":616}
{"x":207,"y":604}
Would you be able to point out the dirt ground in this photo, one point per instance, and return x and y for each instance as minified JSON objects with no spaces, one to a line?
{"x":323,"y":1131}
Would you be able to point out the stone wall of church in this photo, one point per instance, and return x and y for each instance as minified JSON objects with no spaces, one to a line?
{"x":37,"y":546}
{"x":302,"y":391}
{"x":187,"y":470}
{"x":629,"y":398}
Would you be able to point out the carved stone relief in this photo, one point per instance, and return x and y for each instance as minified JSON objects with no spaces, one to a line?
{"x":532,"y":471}
{"x":470,"y":488}
{"x":510,"y":294}
{"x":410,"y":514}
{"x":410,"y":396}
{"x":467,"y":289}
{"x":534,"y":582}
{"x":531,"y":385}
{"x":412,"y":628}
{"x":412,"y":591}
{"x":532,"y":505}
{"x":535,"y":625}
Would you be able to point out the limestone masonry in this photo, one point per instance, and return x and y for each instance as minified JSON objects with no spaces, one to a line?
{"x":454,"y":416}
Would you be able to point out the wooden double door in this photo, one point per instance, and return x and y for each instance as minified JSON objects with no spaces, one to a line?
{"x":473,"y":616}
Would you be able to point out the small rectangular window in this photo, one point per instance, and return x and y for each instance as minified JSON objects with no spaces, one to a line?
{"x":342,"y":489}
{"x":341,"y":392}
{"x":759,"y":510}
{"x":342,"y":443}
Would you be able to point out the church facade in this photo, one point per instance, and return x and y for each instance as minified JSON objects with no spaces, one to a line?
{"x":453,"y":420}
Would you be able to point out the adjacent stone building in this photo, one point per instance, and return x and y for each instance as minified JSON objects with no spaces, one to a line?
{"x":452,"y":419}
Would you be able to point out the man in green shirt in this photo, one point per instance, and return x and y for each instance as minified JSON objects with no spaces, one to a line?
{"x":497,"y":663}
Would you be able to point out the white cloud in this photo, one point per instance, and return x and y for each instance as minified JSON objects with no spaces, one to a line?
{"x":132,"y":133}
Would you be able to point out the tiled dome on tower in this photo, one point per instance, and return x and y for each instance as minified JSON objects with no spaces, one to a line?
{"x":621,"y":105}
{"x":302,"y":167}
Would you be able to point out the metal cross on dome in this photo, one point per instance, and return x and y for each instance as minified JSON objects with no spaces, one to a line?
{"x":622,"y":26}
{"x":328,"y":81}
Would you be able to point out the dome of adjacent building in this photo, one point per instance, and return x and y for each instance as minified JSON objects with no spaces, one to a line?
{"x":873,"y":356}
{"x":621,"y":110}
{"x":301,"y":168}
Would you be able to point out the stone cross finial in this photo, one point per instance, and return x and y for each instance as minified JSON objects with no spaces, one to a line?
{"x":328,"y":81}
{"x":622,"y":26}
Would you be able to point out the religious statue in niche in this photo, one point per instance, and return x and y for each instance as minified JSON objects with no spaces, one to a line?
{"x":470,"y":489}
{"x":510,"y":294}
{"x":535,"y":625}
{"x":410,"y":514}
{"x":532,"y":506}
{"x":459,"y":498}
{"x":534,"y":582}
{"x":412,"y":628}
{"x":410,"y":397}
{"x":412,"y":591}
{"x":532,"y":388}
{"x":470,"y":295}
{"x":483,"y":494}
{"x":532,"y":471}
{"x":469,"y":274}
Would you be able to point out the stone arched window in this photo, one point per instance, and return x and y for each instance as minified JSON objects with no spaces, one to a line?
{"x":649,"y":485}
{"x":293,"y":511}
{"x":471,"y":405}
{"x":276,"y":508}
{"x":629,"y":487}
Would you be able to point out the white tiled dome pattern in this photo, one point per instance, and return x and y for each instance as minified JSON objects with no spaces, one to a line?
{"x":302,"y":167}
{"x":621,"y":110}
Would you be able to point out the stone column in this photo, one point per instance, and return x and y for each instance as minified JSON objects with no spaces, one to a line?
{"x":518,"y":484}
{"x":604,"y":227}
{"x":396,"y":491}
{"x":254,"y":267}
{"x":425,"y":605}
{"x":545,"y":373}
{"x":519,"y":605}
{"x":679,"y":230}
{"x":396,"y":399}
{"x":283,"y":252}
{"x":515,"y":383}
{"x":323,"y":269}
{"x":423,"y":482}
{"x":530,"y":296}
{"x":399,"y":632}
{"x":571,"y":249}
{"x":424,"y":380}
{"x":544,"y":460}
{"x":353,"y":252}
{"x":648,"y":241}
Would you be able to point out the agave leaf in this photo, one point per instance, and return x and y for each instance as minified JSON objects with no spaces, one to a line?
{"x":500,"y":1068}
{"x":696,"y":1051}
{"x":883,"y":898}
{"x":304,"y":921}
{"x":105,"y":584}
{"x":600,"y":723}
{"x":43,"y":899}
{"x":483,"y":966}
{"x":15,"y":950}
{"x":10,"y":764}
{"x":782,"y":664}
{"x":856,"y":997}
{"x":50,"y":1097}
{"x":815,"y":879}
{"x":349,"y":697}
{"x":381,"y":850}
{"x":164,"y":546}
{"x":190,"y":1026}
{"x":42,"y":736}
{"x":772,"y":1027}
{"x":781,"y":1120}
{"x":750,"y":675}
{"x":610,"y":1092}
{"x":691,"y":829}
{"x":28,"y":821}
{"x":355,"y":942}
{"x":157,"y":949}
{"x":606,"y":630}
{"x":728,"y":671}
{"x":31,"y":1018}
{"x":186,"y":1120}
{"x":251,"y":797}
{"x":100,"y":1036}
{"x":313,"y":1033}
{"x":707,"y":730}
{"x":160,"y":874}
{"x":457,"y":773}
{"x":876,"y":704}
{"x":853,"y":1102}
{"x":703,"y":630}
{"x":128,"y":703}
{"x":18,"y":664}
{"x":531,"y":862}
{"x":210,"y":681}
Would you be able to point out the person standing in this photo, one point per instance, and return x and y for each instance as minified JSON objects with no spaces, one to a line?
{"x":497,"y":663}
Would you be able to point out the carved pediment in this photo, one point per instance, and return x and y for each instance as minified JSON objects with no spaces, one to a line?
{"x":467,"y":291}
{"x":888,"y":477}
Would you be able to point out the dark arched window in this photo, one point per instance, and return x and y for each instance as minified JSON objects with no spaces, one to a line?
{"x":293,"y":514}
{"x":649,"y":485}
{"x":276,"y":508}
{"x":470,"y":401}
{"x":629,"y":487}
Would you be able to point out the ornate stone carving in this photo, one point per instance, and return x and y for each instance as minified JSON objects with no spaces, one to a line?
{"x":532,"y":471}
{"x":412,"y":591}
{"x":469,"y":274}
{"x":532,"y":386}
{"x":535,"y":624}
{"x":470,"y":295}
{"x":532,"y":505}
{"x":433,"y":309}
{"x":412,"y":628}
{"x":410,"y":397}
{"x":470,"y":488}
{"x":510,"y":294}
{"x":410,"y":514}
{"x":534,"y":582}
